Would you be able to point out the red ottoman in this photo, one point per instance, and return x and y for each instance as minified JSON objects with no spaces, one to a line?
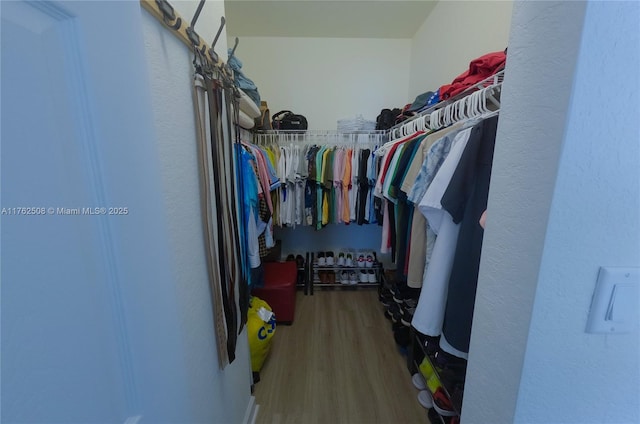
{"x":279,"y":289}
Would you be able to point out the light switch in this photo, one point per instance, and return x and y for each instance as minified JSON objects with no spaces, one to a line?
{"x":616,"y":301}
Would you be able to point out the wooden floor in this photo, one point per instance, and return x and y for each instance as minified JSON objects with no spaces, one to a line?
{"x":337,"y":363}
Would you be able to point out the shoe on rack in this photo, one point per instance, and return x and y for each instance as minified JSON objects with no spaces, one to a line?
{"x":407,"y":315}
{"x":331,"y":277}
{"x":340,"y":261}
{"x":402,"y":335}
{"x":386,"y":300}
{"x":410,"y":303}
{"x":433,"y":416}
{"x":426,"y":369}
{"x":432,"y":345}
{"x":353,"y":278}
{"x":418,"y":381}
{"x":405,"y":292}
{"x":322,"y":261}
{"x":330,"y":259}
{"x":361,"y":261}
{"x":397,"y":287}
{"x":364,"y":278}
{"x":369,"y":261}
{"x":425,"y":399}
{"x":348,"y":260}
{"x":371,"y":277}
{"x":344,"y":278}
{"x":442,"y":404}
{"x":396,"y":316}
{"x":323,"y":277}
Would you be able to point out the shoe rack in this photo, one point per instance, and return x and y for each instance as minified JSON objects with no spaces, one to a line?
{"x":449,"y":375}
{"x":330,"y":276}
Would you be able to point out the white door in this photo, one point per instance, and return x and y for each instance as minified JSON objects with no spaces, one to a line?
{"x":82,"y":236}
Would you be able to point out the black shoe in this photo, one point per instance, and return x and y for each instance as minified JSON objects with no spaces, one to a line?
{"x":406,"y":292}
{"x":386,"y":300}
{"x":398,"y":287}
{"x":407,"y":315}
{"x":394,"y":311}
{"x":410,"y":303}
{"x":402,"y":336}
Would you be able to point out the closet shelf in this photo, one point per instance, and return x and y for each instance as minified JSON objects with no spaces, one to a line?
{"x":347,"y":286}
{"x":344,"y":268}
{"x":315,"y":281}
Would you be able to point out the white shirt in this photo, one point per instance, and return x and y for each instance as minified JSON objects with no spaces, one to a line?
{"x":429,"y":315}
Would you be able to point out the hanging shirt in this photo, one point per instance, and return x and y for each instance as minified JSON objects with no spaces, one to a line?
{"x":388,"y":150}
{"x":466,"y":199}
{"x":324,"y":183}
{"x":393,"y":167}
{"x":338,"y":172}
{"x":353,"y":191}
{"x":429,"y":314}
{"x":346,"y":186}
{"x":435,"y":148}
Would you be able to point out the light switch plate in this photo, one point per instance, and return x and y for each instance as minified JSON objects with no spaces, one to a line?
{"x":616,"y":300}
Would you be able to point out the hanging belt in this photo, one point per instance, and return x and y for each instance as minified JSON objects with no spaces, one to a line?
{"x":228,"y":289}
{"x":209,"y":209}
{"x":236,"y":181}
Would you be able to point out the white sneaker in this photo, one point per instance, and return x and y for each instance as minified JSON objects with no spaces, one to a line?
{"x":425,"y":399}
{"x":353,"y":279}
{"x":348,"y":260}
{"x":418,"y":381}
{"x":371,"y":276}
{"x":322,"y":261}
{"x":364,"y":278}
{"x":361,"y":261}
{"x":369,"y":261}
{"x":344,"y":277}
{"x":330,"y":259}
{"x":341,"y":260}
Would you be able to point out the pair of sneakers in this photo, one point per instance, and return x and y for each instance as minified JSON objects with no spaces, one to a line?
{"x":345,"y":259}
{"x":348,"y":278}
{"x":365,"y":261}
{"x":326,"y":259}
{"x":367,"y":277}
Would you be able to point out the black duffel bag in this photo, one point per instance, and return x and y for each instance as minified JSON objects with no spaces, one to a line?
{"x":288,"y":121}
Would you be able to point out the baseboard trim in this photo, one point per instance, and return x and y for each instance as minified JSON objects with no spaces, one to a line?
{"x":252,"y":411}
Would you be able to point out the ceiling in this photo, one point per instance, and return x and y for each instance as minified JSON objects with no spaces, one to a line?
{"x":327,"y":18}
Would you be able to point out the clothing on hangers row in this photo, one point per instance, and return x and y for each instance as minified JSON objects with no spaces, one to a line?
{"x":324,"y":184}
{"x":434,"y":187}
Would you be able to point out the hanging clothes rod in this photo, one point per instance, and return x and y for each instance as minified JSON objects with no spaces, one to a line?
{"x":322,"y":137}
{"x":495,"y":79}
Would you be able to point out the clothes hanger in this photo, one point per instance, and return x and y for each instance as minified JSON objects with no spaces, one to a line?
{"x":491,"y":93}
{"x":488,"y":92}
{"x":447,"y":115}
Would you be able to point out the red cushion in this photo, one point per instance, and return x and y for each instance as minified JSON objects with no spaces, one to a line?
{"x":280,"y":274}
{"x":279,"y":289}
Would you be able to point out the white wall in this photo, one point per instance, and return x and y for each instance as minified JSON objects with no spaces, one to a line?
{"x":455,"y":33}
{"x":327,"y":79}
{"x":564,"y":200}
{"x":214,"y":395}
{"x":594,"y":221}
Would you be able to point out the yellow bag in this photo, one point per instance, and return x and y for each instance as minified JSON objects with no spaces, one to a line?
{"x":259,"y":331}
